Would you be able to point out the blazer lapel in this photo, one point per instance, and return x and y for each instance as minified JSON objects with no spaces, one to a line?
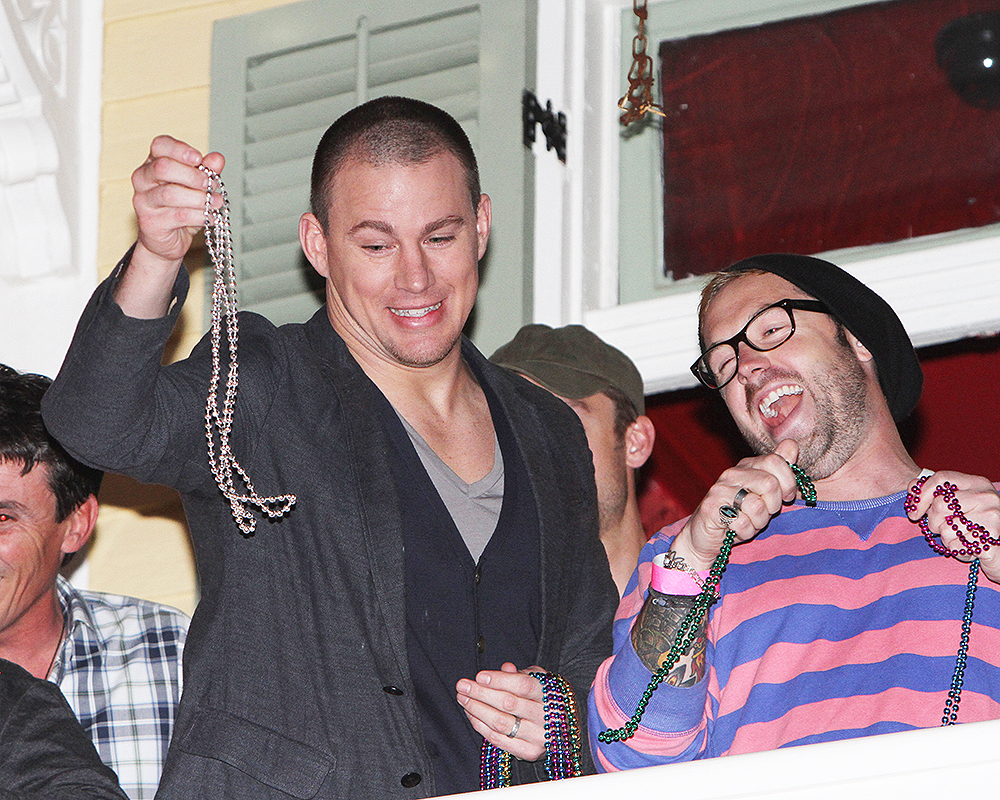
{"x":377,"y":501}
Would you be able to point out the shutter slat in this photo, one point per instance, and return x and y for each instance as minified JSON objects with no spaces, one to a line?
{"x":290,"y":202}
{"x":291,"y":146}
{"x":316,"y":114}
{"x":284,"y":230}
{"x":283,"y":262}
{"x":447,"y":56}
{"x":461,"y":77}
{"x":294,"y":93}
{"x":299,"y":63}
{"x":286,"y":175}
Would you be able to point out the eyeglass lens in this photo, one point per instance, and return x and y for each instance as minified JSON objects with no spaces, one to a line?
{"x":767,"y":330}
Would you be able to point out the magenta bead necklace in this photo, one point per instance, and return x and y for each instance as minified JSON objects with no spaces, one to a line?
{"x":975,"y":540}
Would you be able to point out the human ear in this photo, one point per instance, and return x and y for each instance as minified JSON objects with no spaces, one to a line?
{"x":639,"y":440}
{"x":484,"y":217}
{"x":313,"y":241}
{"x":862,"y":352}
{"x":79,"y":525}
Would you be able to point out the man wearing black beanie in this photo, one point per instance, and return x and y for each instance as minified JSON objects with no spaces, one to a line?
{"x":850,"y":573}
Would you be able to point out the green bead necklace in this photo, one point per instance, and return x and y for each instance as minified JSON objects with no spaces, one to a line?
{"x":805,"y":484}
{"x":688,"y":630}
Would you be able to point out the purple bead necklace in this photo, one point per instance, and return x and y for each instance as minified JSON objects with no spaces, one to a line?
{"x":562,"y":737}
{"x":975,"y":540}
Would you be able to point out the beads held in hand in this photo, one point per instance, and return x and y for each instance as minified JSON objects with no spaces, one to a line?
{"x":805,"y":484}
{"x":219,"y":420}
{"x":562,"y":736}
{"x":688,"y":630}
{"x":975,"y":538}
{"x":978,"y":541}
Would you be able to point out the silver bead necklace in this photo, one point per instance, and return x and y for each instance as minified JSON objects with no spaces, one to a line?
{"x":219,"y":422}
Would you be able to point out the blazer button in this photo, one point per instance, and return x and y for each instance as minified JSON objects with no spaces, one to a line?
{"x":410,"y":779}
{"x":481,"y":645}
{"x":393,"y":690}
{"x":478,"y":574}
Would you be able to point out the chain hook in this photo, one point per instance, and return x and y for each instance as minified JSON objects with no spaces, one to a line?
{"x":639,"y":97}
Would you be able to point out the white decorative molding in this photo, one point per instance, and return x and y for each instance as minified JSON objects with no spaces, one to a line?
{"x":943,"y":287}
{"x":44,"y":28}
{"x":34,"y":231}
{"x":50,"y":143}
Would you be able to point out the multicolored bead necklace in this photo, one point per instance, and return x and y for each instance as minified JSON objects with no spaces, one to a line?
{"x":976,"y":542}
{"x":562,"y":737}
{"x":562,"y":728}
{"x":688,"y":630}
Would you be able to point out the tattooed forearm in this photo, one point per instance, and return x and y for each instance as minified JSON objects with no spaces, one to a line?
{"x":655,"y":631}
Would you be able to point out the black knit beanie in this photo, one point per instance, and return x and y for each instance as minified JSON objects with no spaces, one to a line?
{"x":862,"y":312}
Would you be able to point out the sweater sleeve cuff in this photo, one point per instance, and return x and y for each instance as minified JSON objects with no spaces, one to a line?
{"x":671,"y":709}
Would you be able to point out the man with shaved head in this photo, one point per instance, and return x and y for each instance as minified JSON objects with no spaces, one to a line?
{"x":443,"y":541}
{"x":842,"y":607}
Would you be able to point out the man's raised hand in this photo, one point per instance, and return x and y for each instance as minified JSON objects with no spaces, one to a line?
{"x":169,"y":201}
{"x":979,"y":503}
{"x":769,"y":483}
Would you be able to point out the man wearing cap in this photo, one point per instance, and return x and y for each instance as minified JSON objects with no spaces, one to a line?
{"x":602,"y":385}
{"x":841,"y":613}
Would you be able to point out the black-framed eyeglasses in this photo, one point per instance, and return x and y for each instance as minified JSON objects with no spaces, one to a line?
{"x":769,"y":328}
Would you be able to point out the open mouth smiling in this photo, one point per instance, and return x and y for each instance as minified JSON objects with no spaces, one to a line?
{"x":415,"y":312}
{"x":766,"y":405}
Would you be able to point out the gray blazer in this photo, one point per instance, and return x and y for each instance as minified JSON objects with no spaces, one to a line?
{"x":296,"y":680}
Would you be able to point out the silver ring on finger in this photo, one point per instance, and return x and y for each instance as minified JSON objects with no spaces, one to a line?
{"x":514,"y":730}
{"x":727,"y":514}
{"x":740,"y":497}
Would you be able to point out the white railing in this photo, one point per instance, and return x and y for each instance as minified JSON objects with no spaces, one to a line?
{"x":939,"y":763}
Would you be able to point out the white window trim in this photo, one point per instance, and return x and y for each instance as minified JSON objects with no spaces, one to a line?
{"x":944,"y":287}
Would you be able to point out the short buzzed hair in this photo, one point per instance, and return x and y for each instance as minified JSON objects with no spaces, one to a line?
{"x":24,"y":440}
{"x":389,"y":130}
{"x":718,"y":282}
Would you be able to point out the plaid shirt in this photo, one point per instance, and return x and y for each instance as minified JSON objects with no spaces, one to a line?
{"x":120,"y":669}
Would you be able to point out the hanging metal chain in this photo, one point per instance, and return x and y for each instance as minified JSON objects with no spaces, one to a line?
{"x":639,"y":97}
{"x":219,"y":422}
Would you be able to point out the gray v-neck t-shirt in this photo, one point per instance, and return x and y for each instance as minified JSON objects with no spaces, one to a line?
{"x":474,"y":507}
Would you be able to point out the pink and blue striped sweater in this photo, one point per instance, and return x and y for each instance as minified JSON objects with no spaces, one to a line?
{"x":834,"y":622}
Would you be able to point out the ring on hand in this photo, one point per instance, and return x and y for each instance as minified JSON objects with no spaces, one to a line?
{"x":740,"y":497}
{"x":513,"y":731}
{"x":727,"y":514}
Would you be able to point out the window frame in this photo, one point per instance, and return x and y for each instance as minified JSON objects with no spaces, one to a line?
{"x":944,"y":287}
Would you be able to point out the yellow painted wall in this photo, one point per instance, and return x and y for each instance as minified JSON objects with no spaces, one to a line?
{"x":156,"y":74}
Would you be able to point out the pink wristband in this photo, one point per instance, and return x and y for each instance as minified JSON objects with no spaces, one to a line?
{"x":674,"y":581}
